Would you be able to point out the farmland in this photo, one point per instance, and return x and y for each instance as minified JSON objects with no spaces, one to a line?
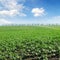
{"x":29,"y":42}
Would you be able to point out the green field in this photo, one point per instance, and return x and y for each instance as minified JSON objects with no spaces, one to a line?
{"x":29,"y":42}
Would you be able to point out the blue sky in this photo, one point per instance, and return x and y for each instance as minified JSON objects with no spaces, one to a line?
{"x":29,"y":12}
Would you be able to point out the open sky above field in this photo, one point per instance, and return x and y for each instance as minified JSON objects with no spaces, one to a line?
{"x":29,"y":12}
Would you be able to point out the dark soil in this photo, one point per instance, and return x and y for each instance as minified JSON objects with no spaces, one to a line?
{"x":54,"y":58}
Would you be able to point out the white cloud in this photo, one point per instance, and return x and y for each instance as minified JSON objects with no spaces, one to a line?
{"x":9,"y":12}
{"x":3,"y":21}
{"x":12,"y":8}
{"x":38,"y":11}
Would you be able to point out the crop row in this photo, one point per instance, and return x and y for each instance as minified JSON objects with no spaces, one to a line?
{"x":24,"y":43}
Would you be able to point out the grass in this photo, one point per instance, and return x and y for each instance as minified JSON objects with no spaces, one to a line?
{"x":23,"y":42}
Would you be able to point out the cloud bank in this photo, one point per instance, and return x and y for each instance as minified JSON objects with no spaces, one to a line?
{"x":3,"y":21}
{"x":14,"y":9}
{"x":11,"y":8}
